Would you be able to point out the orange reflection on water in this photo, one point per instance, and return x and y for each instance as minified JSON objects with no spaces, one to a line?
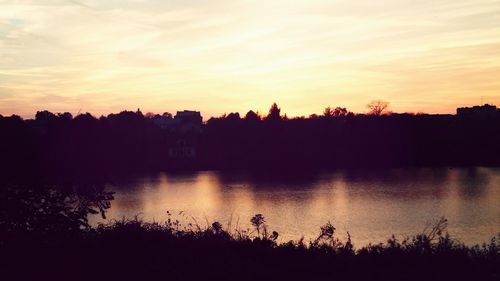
{"x":371,"y":205}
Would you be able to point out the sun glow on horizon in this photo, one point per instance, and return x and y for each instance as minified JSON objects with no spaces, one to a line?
{"x":233,"y":56}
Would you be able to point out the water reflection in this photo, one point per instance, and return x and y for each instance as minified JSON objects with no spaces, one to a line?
{"x":370,"y":204}
{"x":473,"y":181}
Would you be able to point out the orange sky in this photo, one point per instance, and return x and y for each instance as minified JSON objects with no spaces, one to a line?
{"x":220,"y":56}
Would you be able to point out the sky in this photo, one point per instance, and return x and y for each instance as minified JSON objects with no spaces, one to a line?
{"x":222,"y":56}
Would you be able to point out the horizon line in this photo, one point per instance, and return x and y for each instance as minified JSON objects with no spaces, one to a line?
{"x":260,"y":114}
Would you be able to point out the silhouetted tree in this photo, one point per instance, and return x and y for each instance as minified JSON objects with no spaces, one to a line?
{"x":45,"y":117}
{"x":340,"y":112}
{"x":328,"y":112}
{"x":85,"y":118}
{"x":274,"y":113}
{"x":257,"y":221}
{"x":337,"y":112}
{"x":139,"y":112}
{"x":377,"y":107}
{"x":66,"y":116}
{"x":252,"y":116}
{"x":42,"y":208}
{"x":233,"y":116}
{"x":150,"y":115}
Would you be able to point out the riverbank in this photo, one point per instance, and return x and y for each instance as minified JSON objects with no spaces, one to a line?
{"x":135,"y":250}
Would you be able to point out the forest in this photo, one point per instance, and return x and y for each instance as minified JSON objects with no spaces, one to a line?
{"x":60,"y":145}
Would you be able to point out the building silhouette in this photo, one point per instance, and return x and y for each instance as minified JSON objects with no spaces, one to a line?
{"x":186,"y":126}
{"x":478,"y":112}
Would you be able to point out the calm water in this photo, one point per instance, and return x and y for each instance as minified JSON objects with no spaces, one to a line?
{"x":371,"y":205}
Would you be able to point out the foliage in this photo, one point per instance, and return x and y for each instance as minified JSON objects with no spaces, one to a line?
{"x":274,"y":113}
{"x":133,"y":249}
{"x":337,"y":112}
{"x":377,"y":107}
{"x":45,"y":209}
{"x":60,"y":146}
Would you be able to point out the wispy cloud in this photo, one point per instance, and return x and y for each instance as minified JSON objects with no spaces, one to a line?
{"x":221,"y":55}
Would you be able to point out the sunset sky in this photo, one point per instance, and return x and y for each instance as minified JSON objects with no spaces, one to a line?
{"x":220,"y":56}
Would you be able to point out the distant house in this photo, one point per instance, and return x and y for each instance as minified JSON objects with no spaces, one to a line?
{"x":479,"y":111}
{"x":186,"y":127}
{"x":184,"y":147}
{"x":189,"y":121}
{"x":183,"y":121}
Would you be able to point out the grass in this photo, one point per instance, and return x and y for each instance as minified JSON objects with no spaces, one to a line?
{"x":138,"y":250}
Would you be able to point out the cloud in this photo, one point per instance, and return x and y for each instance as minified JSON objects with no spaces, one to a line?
{"x":224,"y":56}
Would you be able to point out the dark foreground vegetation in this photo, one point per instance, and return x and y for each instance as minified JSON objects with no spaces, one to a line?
{"x":60,"y":144}
{"x":45,"y":235}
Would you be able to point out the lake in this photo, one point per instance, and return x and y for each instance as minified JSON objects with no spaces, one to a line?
{"x":370,"y":204}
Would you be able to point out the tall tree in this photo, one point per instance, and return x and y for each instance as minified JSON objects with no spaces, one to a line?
{"x":377,"y":107}
{"x":274,"y":113}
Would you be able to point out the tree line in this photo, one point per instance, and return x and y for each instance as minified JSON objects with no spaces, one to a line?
{"x":58,"y":144}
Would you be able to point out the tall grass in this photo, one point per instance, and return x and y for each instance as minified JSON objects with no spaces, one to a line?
{"x":132,"y":249}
